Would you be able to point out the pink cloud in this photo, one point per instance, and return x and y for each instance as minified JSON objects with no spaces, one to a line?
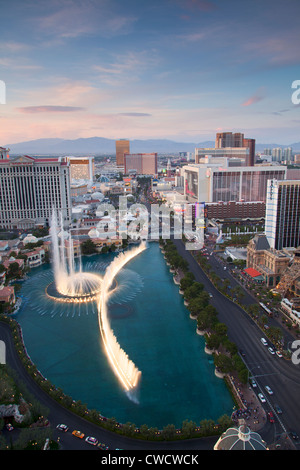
{"x":258,"y":96}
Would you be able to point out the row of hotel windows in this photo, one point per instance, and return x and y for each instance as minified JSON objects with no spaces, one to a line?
{"x":250,"y":186}
{"x":28,"y":214}
{"x":29,"y":169}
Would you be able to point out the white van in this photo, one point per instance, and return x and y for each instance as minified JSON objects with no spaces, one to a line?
{"x":264,"y":342}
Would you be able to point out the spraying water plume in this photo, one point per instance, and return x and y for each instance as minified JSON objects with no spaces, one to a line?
{"x":79,"y":286}
{"x":126,"y":371}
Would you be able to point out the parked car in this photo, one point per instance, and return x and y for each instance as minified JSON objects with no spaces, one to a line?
{"x":271,"y":350}
{"x":271,"y":417}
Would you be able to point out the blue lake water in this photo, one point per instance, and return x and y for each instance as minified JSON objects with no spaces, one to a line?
{"x":151,"y":324}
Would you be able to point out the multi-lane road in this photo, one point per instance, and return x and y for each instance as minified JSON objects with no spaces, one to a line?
{"x":282,"y":376}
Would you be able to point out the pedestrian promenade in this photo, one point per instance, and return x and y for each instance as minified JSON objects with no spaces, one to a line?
{"x":249,"y":407}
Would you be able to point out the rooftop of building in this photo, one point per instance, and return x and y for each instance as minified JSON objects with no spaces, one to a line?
{"x":240,"y":438}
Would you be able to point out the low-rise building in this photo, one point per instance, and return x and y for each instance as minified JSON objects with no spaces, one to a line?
{"x":7,"y":295}
{"x":270,"y":263}
{"x":35,"y":257}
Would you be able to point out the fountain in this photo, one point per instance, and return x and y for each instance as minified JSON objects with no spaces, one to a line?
{"x":78,"y":286}
{"x":69,"y":285}
{"x":126,"y":371}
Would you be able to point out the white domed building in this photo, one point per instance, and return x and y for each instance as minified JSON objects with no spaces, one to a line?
{"x":97,"y":195}
{"x":240,"y":438}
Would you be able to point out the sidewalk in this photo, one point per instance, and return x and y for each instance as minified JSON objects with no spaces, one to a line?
{"x":250,"y":408}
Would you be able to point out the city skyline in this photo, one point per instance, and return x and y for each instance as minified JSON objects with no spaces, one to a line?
{"x":172,"y":69}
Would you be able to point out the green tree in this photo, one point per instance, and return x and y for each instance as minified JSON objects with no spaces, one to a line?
{"x":194,"y":290}
{"x":88,"y":247}
{"x":168,"y":432}
{"x":187,"y":280}
{"x":188,"y":428}
{"x":207,"y":427}
{"x":225,"y":422}
{"x":223,"y":363}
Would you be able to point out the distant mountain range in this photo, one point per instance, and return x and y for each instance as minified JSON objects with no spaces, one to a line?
{"x":103,"y":146}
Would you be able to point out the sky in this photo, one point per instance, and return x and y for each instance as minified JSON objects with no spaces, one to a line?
{"x":149,"y":69}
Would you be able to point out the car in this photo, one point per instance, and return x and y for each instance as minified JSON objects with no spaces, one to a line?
{"x":62,"y":427}
{"x":210,"y":295}
{"x":271,"y":350}
{"x":278,"y":353}
{"x":271,"y":417}
{"x":264,"y":341}
{"x":91,"y":440}
{"x":242,"y":353}
{"x":270,"y":392}
{"x":103,"y":446}
{"x":253,"y":383}
{"x":9,"y":427}
{"x":262,"y":398}
{"x":294,"y":435}
{"x":78,"y":434}
{"x":278,"y":409}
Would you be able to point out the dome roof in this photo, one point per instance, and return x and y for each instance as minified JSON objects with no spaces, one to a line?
{"x":30,"y":239}
{"x":93,"y":233}
{"x":241,"y":438}
{"x":63,"y":234}
{"x":97,"y":195}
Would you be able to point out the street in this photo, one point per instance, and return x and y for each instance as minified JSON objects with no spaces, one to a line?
{"x":281,"y":375}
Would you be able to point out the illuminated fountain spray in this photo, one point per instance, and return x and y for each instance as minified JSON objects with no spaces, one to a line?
{"x":126,"y":371}
{"x":69,"y":285}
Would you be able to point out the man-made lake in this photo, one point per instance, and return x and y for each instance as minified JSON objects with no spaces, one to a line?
{"x":153,"y":327}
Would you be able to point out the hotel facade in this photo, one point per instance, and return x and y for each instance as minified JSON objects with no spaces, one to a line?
{"x":81,"y":168}
{"x":218,"y":183}
{"x":282,"y":226}
{"x":30,"y":188}
{"x":140,"y":163}
{"x":122,"y":147}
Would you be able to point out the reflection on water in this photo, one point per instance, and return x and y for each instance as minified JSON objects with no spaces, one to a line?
{"x":152,"y":325}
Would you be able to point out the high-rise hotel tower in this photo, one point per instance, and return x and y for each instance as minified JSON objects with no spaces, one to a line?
{"x":237,"y":140}
{"x":30,"y":188}
{"x":122,"y":147}
{"x":282,"y":226}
